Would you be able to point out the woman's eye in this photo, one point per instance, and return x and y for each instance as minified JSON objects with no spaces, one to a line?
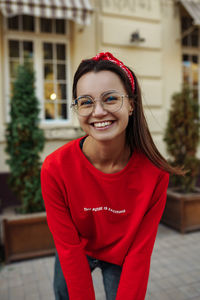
{"x":85,"y":102}
{"x":110,"y":99}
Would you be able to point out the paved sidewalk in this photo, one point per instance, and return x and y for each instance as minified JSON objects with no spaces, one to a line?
{"x":174,"y":275}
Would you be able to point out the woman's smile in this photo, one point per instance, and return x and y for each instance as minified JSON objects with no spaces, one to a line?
{"x":102,"y":124}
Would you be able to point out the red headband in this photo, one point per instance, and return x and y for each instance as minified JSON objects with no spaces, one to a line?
{"x":110,"y":57}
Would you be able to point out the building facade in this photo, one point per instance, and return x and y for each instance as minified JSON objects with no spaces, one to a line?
{"x":158,"y":39}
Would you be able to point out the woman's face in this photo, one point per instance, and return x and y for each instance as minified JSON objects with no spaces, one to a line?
{"x":101,"y":124}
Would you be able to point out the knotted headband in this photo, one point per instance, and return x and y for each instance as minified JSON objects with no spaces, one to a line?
{"x":110,"y":57}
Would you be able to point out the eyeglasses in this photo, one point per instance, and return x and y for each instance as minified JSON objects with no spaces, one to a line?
{"x":111,"y":102}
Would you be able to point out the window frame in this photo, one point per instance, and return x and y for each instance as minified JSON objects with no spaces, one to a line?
{"x":192,"y":51}
{"x":38,"y":39}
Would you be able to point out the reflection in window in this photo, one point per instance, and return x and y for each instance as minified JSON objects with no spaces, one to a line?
{"x":13,"y":68}
{"x":60,"y":52}
{"x":18,"y":52}
{"x":61,"y":72}
{"x":13,"y":23}
{"x":48,"y":51}
{"x":55,"y":85}
{"x":191,"y":71}
{"x":49,"y":111}
{"x":186,"y":69}
{"x":60,"y":26}
{"x":52,"y":26}
{"x":14,"y":48}
{"x":28,"y":50}
{"x":195,"y":70}
{"x":28,"y":23}
{"x":21,"y":23}
{"x":61,"y":91}
{"x":190,"y":32}
{"x":48,"y":90}
{"x":46,"y":25}
{"x":62,"y":111}
{"x":48,"y":71}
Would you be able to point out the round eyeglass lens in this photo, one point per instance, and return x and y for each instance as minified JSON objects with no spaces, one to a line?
{"x":111,"y":102}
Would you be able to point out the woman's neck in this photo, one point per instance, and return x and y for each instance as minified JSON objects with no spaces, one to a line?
{"x":108,"y":157}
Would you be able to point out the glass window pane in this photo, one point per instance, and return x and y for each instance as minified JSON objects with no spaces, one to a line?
{"x":195,"y":70}
{"x":48,"y":50}
{"x":195,"y":38}
{"x":13,"y":23}
{"x":195,"y":92}
{"x":11,"y":88}
{"x":191,"y":38}
{"x":46,"y":25}
{"x":62,"y":111}
{"x":186,"y":69}
{"x":13,"y":68}
{"x":60,"y":26}
{"x":49,"y":111}
{"x":48,"y":72}
{"x":185,"y":41}
{"x":183,"y":23}
{"x":28,"y":50}
{"x":195,"y":59}
{"x":60,"y":51}
{"x":28,"y":23}
{"x":13,"y":48}
{"x":61,"y":91}
{"x":48,"y":90}
{"x":61,"y":74}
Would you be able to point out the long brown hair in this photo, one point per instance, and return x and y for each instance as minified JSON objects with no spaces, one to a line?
{"x":137,"y":132}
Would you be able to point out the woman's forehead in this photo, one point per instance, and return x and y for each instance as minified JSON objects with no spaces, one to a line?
{"x":99,"y":82}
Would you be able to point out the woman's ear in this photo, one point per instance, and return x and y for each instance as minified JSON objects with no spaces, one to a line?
{"x":131,"y":108}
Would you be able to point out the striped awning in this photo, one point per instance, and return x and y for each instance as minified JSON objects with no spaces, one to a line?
{"x":193,"y":8}
{"x":77,"y":10}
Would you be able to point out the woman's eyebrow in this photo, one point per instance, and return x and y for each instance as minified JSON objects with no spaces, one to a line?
{"x":85,"y":95}
{"x":108,"y":92}
{"x":102,"y":94}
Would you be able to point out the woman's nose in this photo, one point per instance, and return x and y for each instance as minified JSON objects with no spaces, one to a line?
{"x":98,"y":109}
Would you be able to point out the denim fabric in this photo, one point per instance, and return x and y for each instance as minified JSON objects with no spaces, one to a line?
{"x":110,"y":272}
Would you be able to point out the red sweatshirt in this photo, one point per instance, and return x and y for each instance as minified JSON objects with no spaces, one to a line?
{"x":111,"y":217}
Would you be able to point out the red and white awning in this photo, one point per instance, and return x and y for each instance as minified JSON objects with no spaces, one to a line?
{"x":77,"y":10}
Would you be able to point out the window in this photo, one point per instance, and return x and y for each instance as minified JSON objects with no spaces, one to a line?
{"x":28,"y":23}
{"x":190,"y":71}
{"x":18,"y":52}
{"x":43,"y":42}
{"x":54,"y":78}
{"x":190,"y":53}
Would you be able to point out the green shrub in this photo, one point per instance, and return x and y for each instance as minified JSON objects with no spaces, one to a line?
{"x":182,"y":137}
{"x":25,"y":140}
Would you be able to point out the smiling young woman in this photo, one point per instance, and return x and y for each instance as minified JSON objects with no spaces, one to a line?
{"x":105,"y":193}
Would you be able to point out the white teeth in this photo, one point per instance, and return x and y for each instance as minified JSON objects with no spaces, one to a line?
{"x":102,"y":124}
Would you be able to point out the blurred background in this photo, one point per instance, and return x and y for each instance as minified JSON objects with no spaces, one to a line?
{"x":160,"y":41}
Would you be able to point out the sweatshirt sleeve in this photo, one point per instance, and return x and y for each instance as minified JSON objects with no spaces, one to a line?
{"x":71,"y":254}
{"x":136,"y":266}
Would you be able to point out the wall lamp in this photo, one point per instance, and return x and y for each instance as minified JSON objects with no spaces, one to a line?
{"x":135,"y":37}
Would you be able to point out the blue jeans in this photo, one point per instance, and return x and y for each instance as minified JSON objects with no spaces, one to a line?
{"x":110,"y":272}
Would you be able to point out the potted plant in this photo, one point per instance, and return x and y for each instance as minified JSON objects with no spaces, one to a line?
{"x":182,"y":210}
{"x":26,"y":234}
